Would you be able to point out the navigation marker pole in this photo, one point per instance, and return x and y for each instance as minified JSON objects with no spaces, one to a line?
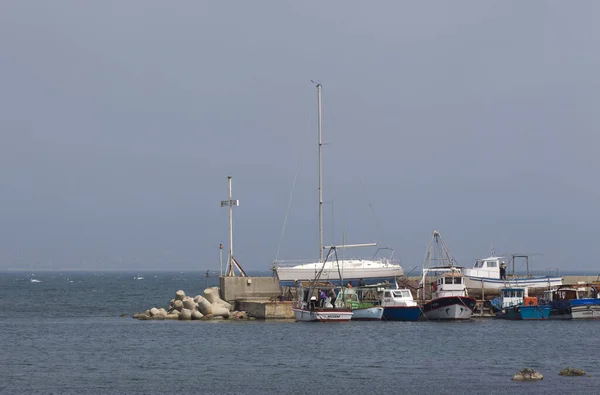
{"x":231,"y":261}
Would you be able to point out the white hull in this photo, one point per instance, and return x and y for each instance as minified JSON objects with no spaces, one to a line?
{"x":452,"y":312}
{"x":493,"y":285}
{"x":366,"y":270}
{"x":374,"y":313}
{"x":587,"y":312}
{"x":325,"y":315}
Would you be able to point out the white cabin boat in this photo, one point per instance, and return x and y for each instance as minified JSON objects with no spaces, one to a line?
{"x":399,"y":305}
{"x":450,"y":299}
{"x":486,"y":274}
{"x":449,"y":296}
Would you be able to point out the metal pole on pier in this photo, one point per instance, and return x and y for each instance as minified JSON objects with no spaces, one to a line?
{"x":230,"y":202}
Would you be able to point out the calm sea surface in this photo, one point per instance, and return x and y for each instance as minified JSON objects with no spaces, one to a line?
{"x":64,"y":335}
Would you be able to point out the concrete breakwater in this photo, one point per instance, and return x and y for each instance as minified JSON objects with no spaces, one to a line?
{"x":200,"y":307}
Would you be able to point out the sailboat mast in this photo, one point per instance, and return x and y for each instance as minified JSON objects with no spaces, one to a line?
{"x":319,"y":92}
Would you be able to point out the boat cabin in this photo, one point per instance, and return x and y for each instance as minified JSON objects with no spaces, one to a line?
{"x":397,"y":297}
{"x":510,"y":297}
{"x":554,"y":295}
{"x":486,"y":268}
{"x":451,"y":283}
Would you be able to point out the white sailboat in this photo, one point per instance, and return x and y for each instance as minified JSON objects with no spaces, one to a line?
{"x":370,"y":271}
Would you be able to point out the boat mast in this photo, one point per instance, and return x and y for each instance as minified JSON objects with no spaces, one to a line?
{"x":319,"y":92}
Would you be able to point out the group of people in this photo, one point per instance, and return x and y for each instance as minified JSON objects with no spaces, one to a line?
{"x":318,"y":300}
{"x":322,"y":296}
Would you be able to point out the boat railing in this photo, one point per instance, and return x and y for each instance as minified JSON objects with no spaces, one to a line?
{"x":292,"y":262}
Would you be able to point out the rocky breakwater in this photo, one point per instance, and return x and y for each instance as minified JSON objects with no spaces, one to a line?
{"x":200,"y":307}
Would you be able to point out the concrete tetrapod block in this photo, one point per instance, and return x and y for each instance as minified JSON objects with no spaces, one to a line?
{"x":179,"y":295}
{"x":196,"y":315}
{"x":188,"y":303}
{"x":178,"y":305}
{"x":204,"y":306}
{"x":220,"y":311}
{"x":212,"y":295}
{"x":185,"y":314}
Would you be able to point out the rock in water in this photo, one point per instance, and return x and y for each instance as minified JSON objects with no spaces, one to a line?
{"x":527,"y":374}
{"x":179,"y":295}
{"x":572,"y":372}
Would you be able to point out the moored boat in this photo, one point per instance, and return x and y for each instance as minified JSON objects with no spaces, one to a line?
{"x":399,"y":305}
{"x":450,"y":300}
{"x":449,"y":295}
{"x":515,"y":304}
{"x":310,"y":307}
{"x":570,"y":302}
{"x":361,"y":311}
{"x":486,"y":274}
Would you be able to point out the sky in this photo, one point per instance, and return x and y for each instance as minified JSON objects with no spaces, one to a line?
{"x":121,"y":120}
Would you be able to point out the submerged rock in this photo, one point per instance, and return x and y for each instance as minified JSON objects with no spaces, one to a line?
{"x":527,"y":374}
{"x":572,"y":372}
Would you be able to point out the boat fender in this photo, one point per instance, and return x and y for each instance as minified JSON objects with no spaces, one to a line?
{"x":517,"y":309}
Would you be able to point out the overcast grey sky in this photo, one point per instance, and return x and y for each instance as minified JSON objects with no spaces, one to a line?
{"x":120,"y":121}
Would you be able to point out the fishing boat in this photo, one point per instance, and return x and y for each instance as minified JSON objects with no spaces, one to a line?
{"x":399,"y":305}
{"x":310,"y":309}
{"x":515,"y":304}
{"x":362,"y":310}
{"x":573,"y":302}
{"x":486,"y":275}
{"x":449,"y":296}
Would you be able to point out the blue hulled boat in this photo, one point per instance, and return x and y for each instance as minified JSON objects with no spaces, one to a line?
{"x":399,"y":305}
{"x":514,"y":304}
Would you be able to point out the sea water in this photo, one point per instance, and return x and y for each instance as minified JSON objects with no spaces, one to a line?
{"x":64,"y":334}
